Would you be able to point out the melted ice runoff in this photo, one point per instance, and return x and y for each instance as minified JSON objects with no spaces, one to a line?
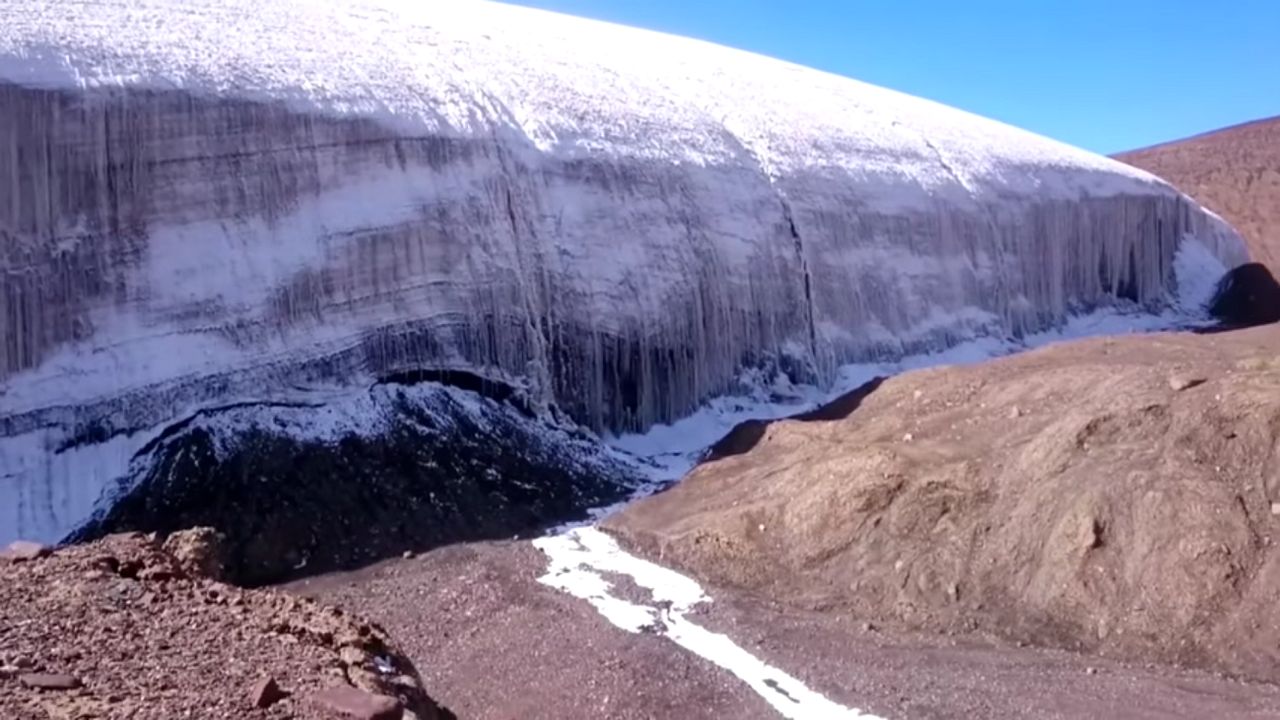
{"x":581,"y":557}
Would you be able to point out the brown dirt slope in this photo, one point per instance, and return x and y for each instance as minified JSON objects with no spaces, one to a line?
{"x":1119,"y":496}
{"x":136,"y":630}
{"x":1235,"y":172}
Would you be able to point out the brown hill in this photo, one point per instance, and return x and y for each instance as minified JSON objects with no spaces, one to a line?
{"x":1118,"y":496}
{"x":1235,"y":172}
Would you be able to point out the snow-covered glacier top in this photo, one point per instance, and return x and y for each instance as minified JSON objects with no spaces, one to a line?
{"x":572,"y":86}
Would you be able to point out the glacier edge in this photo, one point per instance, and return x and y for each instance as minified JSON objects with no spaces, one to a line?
{"x":193,"y":222}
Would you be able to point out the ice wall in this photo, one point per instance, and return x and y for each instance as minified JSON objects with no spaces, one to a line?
{"x":210,"y":202}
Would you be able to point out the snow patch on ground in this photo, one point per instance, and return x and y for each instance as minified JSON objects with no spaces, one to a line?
{"x":580,"y":558}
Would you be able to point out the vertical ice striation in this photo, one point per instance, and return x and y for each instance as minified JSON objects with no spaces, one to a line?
{"x":202,"y":203}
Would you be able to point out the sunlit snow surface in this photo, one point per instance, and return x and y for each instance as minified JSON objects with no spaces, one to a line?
{"x":215,"y":202}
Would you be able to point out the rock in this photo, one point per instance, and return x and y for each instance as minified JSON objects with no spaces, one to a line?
{"x":1091,"y":671}
{"x":1185,"y":382}
{"x":407,"y":555}
{"x":23,"y":551}
{"x":1015,"y":412}
{"x":353,"y":655}
{"x":1248,"y":295}
{"x":1275,"y":509}
{"x":200,"y":552}
{"x":49,"y":681}
{"x":155,"y":573}
{"x":347,"y":702}
{"x":868,"y":627}
{"x":266,"y":692}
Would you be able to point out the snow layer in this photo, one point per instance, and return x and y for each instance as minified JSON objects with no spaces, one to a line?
{"x":219,"y":201}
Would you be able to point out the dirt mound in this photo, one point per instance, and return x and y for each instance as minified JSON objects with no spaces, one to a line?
{"x":1234,"y":172}
{"x":1119,"y":496}
{"x":128,"y":628}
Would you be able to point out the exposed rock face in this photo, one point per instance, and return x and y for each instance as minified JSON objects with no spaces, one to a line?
{"x":1117,"y":510}
{"x":616,"y":222}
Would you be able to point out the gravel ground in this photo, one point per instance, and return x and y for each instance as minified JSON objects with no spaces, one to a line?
{"x":495,"y":643}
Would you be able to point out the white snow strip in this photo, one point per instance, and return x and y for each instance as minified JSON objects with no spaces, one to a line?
{"x":580,"y":558}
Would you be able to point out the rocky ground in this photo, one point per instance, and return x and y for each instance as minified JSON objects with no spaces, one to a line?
{"x":129,"y":628}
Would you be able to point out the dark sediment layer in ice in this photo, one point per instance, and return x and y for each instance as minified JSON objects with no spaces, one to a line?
{"x":307,"y":489}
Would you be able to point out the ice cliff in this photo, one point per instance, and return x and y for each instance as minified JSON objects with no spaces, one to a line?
{"x":221,"y":201}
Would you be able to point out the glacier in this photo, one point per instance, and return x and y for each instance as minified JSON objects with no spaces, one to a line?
{"x":222,"y":201}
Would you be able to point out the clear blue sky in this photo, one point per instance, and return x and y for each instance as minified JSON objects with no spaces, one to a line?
{"x":1107,"y":75}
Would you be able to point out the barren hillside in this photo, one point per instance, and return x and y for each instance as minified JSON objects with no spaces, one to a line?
{"x":1116,"y":496}
{"x":1234,"y":172}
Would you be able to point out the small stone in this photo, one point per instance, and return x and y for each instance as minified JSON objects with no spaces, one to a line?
{"x":347,"y":702}
{"x":156,"y":573}
{"x":266,"y":692}
{"x":1091,"y":671}
{"x":1275,"y":509}
{"x":49,"y":681}
{"x":353,"y":655}
{"x":1015,"y":412}
{"x":1185,"y":382}
{"x":908,"y":437}
{"x":868,"y":627}
{"x":407,"y":555}
{"x":23,"y":551}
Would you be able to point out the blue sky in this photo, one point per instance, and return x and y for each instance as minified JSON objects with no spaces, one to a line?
{"x":1107,"y":75}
